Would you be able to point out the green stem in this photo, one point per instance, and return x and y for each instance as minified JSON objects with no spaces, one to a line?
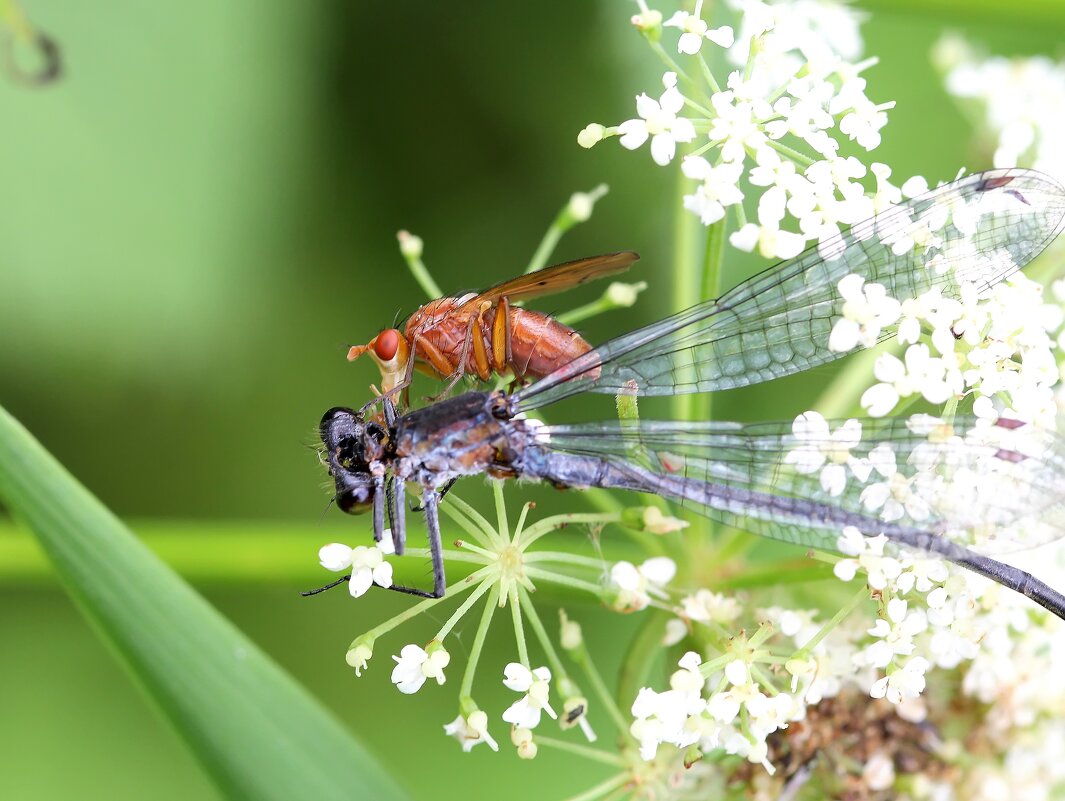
{"x":565,"y":581}
{"x":566,"y":558}
{"x":549,"y":524}
{"x":837,"y":618}
{"x":546,"y":247}
{"x":641,"y":656}
{"x":686,"y":278}
{"x":421,"y":275}
{"x":799,"y":158}
{"x":482,"y":588}
{"x":466,"y":689}
{"x":413,"y":611}
{"x":583,"y":658}
{"x":541,"y":634}
{"x":477,"y":519}
{"x":519,"y":630}
{"x":585,"y":751}
{"x":600,"y":789}
{"x":501,"y":510}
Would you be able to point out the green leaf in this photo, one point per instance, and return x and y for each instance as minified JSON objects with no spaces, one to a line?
{"x":255,"y":730}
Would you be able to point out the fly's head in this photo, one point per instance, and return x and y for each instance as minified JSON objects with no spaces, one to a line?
{"x":389,"y":349}
{"x":352,"y":447}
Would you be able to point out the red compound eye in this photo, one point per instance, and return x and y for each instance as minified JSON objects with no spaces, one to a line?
{"x":386,"y":344}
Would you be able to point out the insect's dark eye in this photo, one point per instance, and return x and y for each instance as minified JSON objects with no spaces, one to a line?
{"x":354,"y":500}
{"x":337,"y":423}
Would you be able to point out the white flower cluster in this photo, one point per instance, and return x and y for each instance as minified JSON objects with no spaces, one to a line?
{"x":798,"y":89}
{"x":682,"y":716}
{"x":999,"y":349}
{"x":1021,"y":102}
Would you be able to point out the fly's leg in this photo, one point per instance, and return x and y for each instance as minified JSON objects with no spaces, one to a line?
{"x":501,"y":353}
{"x":458,"y":371}
{"x":386,"y":397}
{"x":390,"y":412}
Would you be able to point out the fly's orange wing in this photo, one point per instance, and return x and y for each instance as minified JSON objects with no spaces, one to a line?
{"x":558,"y":278}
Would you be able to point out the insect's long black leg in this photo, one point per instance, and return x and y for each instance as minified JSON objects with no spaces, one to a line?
{"x":431,"y":502}
{"x":390,"y":411}
{"x":328,"y":586}
{"x":399,"y":515}
{"x":378,"y":507}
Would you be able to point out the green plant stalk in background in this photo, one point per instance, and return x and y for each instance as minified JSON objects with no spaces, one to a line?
{"x":256,"y":732}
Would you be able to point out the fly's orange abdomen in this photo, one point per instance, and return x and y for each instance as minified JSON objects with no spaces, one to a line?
{"x":539,"y":344}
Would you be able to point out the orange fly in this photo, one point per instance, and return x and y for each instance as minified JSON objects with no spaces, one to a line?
{"x":481,"y":334}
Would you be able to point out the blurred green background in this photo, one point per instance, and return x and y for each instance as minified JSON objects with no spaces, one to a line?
{"x":200,"y":217}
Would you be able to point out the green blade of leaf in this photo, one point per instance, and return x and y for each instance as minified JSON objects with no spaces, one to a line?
{"x":257,"y":733}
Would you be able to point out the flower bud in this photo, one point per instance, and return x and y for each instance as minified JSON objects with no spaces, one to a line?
{"x":523,"y":740}
{"x":624,"y":295}
{"x":359,"y":654}
{"x":410,"y":246}
{"x":649,"y":23}
{"x":591,"y":135}
{"x":570,"y":635}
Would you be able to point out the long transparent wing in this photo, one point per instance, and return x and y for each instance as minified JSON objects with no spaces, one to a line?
{"x":989,"y":487}
{"x":978,"y":229}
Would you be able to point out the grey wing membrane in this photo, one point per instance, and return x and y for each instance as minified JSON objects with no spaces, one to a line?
{"x":978,"y":229}
{"x":991,"y":488}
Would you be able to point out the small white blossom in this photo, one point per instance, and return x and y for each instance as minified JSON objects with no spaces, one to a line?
{"x":414,"y":665}
{"x":368,"y":566}
{"x":867,"y":310}
{"x":525,"y":713}
{"x":696,"y":31}
{"x":658,"y":121}
{"x":819,"y":449}
{"x":907,"y":681}
{"x":637,"y":585}
{"x":471,"y":731}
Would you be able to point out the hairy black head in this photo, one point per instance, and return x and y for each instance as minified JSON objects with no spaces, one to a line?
{"x":350,"y":446}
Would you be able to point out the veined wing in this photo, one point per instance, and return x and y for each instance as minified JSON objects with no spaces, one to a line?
{"x":559,"y":278}
{"x":978,"y":229}
{"x":988,"y":487}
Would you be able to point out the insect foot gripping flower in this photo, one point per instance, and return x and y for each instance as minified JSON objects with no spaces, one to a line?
{"x":414,"y":665}
{"x":367,"y":564}
{"x":637,"y":585}
{"x":525,"y":713}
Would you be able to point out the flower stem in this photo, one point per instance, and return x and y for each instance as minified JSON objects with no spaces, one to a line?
{"x":541,"y":634}
{"x":480,"y":529}
{"x":585,"y":751}
{"x":501,"y":510}
{"x":583,"y":658}
{"x":601,"y":789}
{"x":519,"y":630}
{"x":565,"y":581}
{"x":418,"y":608}
{"x":482,"y":588}
{"x":549,"y":524}
{"x":423,"y":277}
{"x":466,"y":689}
{"x":837,"y":618}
